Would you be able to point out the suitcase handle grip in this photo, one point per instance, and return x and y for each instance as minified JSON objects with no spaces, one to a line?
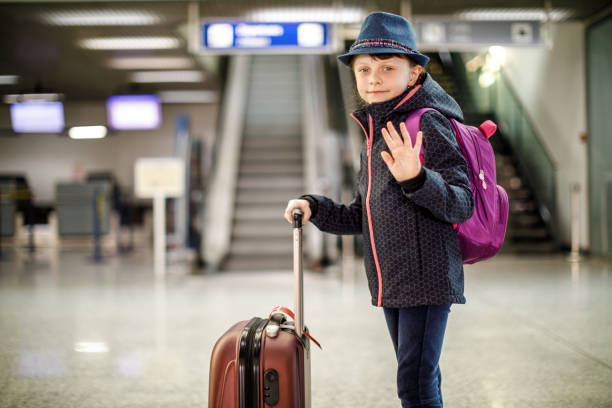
{"x":297,"y":218}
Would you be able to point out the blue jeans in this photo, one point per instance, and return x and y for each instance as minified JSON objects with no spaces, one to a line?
{"x":417,"y":334}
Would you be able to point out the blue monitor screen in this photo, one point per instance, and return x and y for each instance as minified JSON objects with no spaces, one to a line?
{"x":37,"y":117}
{"x":134,"y":112}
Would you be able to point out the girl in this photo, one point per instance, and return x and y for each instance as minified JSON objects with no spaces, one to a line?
{"x":404,"y":209}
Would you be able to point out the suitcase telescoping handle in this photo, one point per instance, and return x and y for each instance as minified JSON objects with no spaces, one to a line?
{"x":298,"y":274}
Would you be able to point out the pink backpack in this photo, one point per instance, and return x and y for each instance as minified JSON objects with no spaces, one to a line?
{"x":481,"y":236}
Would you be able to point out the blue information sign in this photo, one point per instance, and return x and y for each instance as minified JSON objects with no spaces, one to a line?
{"x":227,"y":37}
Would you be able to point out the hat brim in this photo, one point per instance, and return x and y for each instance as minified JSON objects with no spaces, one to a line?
{"x":415,"y":56}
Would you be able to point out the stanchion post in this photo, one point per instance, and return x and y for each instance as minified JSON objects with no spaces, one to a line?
{"x":97,"y":256}
{"x":31,"y":245}
{"x":159,"y":234}
{"x":131,"y":212}
{"x":126,"y":214}
{"x":575,"y":223}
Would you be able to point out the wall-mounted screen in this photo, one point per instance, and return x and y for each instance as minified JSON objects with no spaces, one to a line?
{"x":134,"y":112}
{"x":37,"y":117}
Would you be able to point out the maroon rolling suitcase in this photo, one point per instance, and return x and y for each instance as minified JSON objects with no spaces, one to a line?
{"x":262,"y":363}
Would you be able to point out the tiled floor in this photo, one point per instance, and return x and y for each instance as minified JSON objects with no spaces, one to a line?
{"x":536,"y":332}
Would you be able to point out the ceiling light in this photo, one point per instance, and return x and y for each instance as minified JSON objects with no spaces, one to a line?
{"x":130,"y":43}
{"x":498,"y":54}
{"x":189,"y":96}
{"x":151,"y":63}
{"x":101,"y":18}
{"x":87,"y":132}
{"x":525,"y":14}
{"x":486,"y":79}
{"x":40,"y":97}
{"x":303,"y":14}
{"x":167,"y":76}
{"x":9,"y":79}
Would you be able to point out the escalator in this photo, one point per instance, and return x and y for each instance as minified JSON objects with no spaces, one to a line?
{"x":270,"y":166}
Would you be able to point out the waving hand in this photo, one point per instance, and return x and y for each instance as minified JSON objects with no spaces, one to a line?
{"x":403,"y":162}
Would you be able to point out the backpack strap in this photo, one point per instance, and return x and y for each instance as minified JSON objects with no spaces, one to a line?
{"x":413,"y":125}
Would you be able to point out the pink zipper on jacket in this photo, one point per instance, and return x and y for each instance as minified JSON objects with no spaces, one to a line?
{"x":370,"y":139}
{"x":367,"y":202}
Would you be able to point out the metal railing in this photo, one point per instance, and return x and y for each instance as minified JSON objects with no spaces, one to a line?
{"x":218,"y":213}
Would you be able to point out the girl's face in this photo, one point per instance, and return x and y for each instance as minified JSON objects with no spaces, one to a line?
{"x":379,"y":80}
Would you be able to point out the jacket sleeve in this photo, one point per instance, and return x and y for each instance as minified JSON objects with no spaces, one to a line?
{"x":445,"y":190}
{"x":337,"y":218}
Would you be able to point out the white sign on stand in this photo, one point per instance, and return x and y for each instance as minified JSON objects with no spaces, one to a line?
{"x":159,"y":178}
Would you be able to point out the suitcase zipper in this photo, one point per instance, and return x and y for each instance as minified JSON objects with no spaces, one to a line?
{"x":246,"y":397}
{"x":255,"y":356}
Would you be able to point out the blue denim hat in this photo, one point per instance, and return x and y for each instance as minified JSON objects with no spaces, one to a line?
{"x":385,"y":33}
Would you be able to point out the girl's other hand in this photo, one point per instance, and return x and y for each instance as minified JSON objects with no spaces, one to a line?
{"x":404,"y":161}
{"x":302,"y":205}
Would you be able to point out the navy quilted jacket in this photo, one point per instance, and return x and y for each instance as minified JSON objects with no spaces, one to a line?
{"x":412,"y":256}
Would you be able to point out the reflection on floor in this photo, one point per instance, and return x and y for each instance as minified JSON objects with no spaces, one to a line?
{"x":536,"y":332}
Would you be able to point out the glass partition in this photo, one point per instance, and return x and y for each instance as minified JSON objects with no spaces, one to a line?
{"x":535,"y":162}
{"x":599,"y":93}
